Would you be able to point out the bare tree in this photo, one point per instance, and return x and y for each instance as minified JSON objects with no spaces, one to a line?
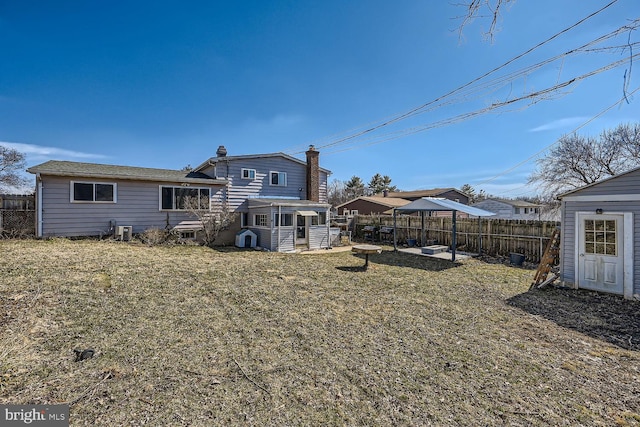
{"x":578,"y":160}
{"x":483,"y":9}
{"x":11,"y":163}
{"x":213,"y":222}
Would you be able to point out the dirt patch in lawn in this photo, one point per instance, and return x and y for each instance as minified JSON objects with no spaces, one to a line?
{"x":194,"y":336}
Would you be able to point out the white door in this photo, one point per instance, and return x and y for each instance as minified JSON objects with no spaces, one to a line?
{"x":600,"y":252}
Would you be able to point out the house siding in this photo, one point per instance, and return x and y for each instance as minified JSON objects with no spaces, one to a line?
{"x":137,"y":204}
{"x":239,"y":190}
{"x":568,"y":236}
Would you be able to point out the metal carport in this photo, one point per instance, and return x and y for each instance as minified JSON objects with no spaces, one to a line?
{"x":433,"y":204}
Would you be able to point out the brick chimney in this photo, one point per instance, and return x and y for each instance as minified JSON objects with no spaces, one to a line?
{"x":313,"y":174}
{"x":221,"y":152}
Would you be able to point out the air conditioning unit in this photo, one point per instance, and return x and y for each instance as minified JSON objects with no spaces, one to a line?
{"x":124,"y":232}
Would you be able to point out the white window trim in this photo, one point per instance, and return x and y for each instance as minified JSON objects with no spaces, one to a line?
{"x":160,"y":187}
{"x":115,"y":192}
{"x":242,"y":171}
{"x":261,"y":226}
{"x":278,"y":184}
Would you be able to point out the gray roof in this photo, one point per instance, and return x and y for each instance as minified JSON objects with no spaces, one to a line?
{"x":95,"y":170}
{"x":439,"y":204}
{"x":214,"y":160}
{"x":517,"y":203}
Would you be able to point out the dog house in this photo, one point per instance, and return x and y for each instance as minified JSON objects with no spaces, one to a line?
{"x":246,"y":239}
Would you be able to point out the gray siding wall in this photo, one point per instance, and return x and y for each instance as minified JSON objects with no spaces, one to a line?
{"x":319,"y":237}
{"x":137,"y":205}
{"x":241,"y":189}
{"x":568,"y":236}
{"x":622,"y":184}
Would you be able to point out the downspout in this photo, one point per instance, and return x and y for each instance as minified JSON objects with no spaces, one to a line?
{"x":395,"y":243}
{"x":38,"y":205}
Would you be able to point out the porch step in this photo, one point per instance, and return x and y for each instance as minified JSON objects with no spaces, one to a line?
{"x":434,"y":249}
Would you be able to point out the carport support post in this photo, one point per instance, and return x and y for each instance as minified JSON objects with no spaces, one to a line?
{"x":453,"y":235}
{"x":395,"y":244}
{"x":422,"y":231}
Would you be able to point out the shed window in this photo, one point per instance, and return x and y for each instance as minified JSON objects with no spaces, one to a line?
{"x":278,"y":178}
{"x":248,"y":173}
{"x":600,"y":237}
{"x":93,"y":192}
{"x":173,"y":198}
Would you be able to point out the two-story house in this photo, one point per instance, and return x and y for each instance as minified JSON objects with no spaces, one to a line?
{"x":279,"y":197}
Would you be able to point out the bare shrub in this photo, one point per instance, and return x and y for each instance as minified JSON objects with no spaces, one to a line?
{"x":213,"y":221}
{"x":155,"y":236}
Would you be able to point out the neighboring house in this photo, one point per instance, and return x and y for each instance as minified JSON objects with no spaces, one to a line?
{"x":511,"y":209}
{"x":444,"y":193}
{"x":85,"y":199}
{"x":368,"y":205}
{"x":600,"y":236}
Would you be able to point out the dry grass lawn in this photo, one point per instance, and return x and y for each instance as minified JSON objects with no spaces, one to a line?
{"x":192,"y":336}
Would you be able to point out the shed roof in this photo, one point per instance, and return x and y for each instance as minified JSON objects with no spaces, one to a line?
{"x":95,"y":170}
{"x":440,"y":204}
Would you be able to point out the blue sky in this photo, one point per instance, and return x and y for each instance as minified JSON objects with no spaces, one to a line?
{"x":164,"y":83}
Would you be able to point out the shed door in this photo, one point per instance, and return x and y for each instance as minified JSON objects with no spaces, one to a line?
{"x":600,"y":252}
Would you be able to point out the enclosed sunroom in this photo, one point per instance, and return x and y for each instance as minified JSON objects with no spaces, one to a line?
{"x":287,"y":225}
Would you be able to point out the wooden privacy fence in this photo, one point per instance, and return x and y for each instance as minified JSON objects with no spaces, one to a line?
{"x":500,"y":237}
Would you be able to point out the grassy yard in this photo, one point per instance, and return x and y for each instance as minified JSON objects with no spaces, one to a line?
{"x":192,"y":336}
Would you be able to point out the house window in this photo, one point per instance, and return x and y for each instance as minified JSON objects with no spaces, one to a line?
{"x":96,"y":192}
{"x":188,"y":235}
{"x":320,"y":219}
{"x":260,"y":220}
{"x":287,"y":220}
{"x":278,"y":178}
{"x":248,"y":173}
{"x":354,"y":212}
{"x":536,"y":210}
{"x":244,"y":219}
{"x":173,"y":198}
{"x":517,"y":210}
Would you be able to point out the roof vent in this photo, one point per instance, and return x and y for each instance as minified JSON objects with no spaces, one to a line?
{"x":221,"y":152}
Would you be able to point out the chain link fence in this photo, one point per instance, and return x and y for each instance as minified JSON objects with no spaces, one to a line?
{"x":17,"y":223}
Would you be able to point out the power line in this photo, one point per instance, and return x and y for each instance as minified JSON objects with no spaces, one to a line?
{"x":413,"y":111}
